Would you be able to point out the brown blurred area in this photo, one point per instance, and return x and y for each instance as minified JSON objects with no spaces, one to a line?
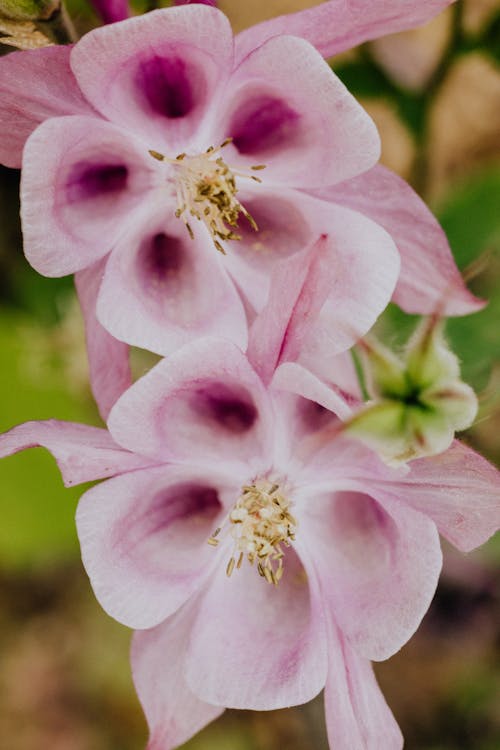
{"x":64,"y":676}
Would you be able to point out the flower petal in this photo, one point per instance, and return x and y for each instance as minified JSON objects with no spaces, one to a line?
{"x":286,"y":109}
{"x":201,"y":403}
{"x":357,"y":716}
{"x":300,"y":286}
{"x":162,"y":289}
{"x":173,"y":712}
{"x":35,"y":85}
{"x":83,"y":180}
{"x":112,"y":11}
{"x":83,"y":453}
{"x":156,"y":74}
{"x":294,"y":378}
{"x":366,"y":271}
{"x":458,"y":489}
{"x":338,"y":25}
{"x":378,"y":562}
{"x":108,"y":358}
{"x":144,"y":540}
{"x":429,"y":276}
{"x":258,"y":646}
{"x":365,"y":266}
{"x":284,"y":229}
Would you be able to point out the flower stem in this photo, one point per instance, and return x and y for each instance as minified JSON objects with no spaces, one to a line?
{"x":59,"y":27}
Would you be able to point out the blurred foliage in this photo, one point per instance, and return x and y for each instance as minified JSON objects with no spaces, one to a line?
{"x":65,"y":677}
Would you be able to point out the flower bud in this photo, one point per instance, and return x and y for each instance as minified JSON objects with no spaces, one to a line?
{"x":418,"y":401}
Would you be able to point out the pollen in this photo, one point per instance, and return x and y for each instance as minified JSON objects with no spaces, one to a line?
{"x":261,"y":525}
{"x":206,"y":190}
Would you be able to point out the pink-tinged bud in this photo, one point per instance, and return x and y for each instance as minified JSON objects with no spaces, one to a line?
{"x":112,"y":10}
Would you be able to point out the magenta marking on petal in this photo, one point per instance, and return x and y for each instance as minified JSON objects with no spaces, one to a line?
{"x":263,"y":124}
{"x":283,"y":231}
{"x":160,"y":258}
{"x":314,"y":416}
{"x":185,"y":504}
{"x":182,"y":502}
{"x":87,"y":180}
{"x":230,"y":407}
{"x":167,"y":85}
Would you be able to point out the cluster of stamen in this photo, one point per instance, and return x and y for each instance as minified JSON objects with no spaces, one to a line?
{"x":206,"y":190}
{"x":261,"y":523}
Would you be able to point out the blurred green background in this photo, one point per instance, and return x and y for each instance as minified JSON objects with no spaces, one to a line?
{"x":64,"y":678}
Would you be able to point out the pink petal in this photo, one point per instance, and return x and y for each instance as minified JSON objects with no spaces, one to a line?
{"x":83,"y":453}
{"x":378,"y":562}
{"x":294,"y":378}
{"x":306,"y":408}
{"x":286,"y":109}
{"x":322,"y":300}
{"x":108,"y":358}
{"x":144,"y":539}
{"x":173,"y":712}
{"x":161,"y":289}
{"x":334,"y":455}
{"x":258,"y":646}
{"x":338,"y":372}
{"x":158,"y":73}
{"x":429,"y":276}
{"x":83,"y":180}
{"x":365,"y":266}
{"x":338,"y":25}
{"x":201,"y":403}
{"x":357,"y":716}
{"x":35,"y":85}
{"x":284,"y":228}
{"x":112,"y":10}
{"x":300,"y":286}
{"x":459,"y":490}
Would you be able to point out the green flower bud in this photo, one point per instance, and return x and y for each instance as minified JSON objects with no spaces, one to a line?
{"x":418,"y":401}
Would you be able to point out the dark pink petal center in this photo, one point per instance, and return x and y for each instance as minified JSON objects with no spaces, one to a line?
{"x":169,"y":85}
{"x":182,"y":502}
{"x":282,"y":229}
{"x":186,"y":511}
{"x":314,"y":416}
{"x":262,"y":124}
{"x":160,"y":258}
{"x":88,"y":180}
{"x":231,"y":408}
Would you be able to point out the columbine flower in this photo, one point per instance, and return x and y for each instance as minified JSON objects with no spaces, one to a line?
{"x":153,"y":100}
{"x":265,"y":559}
{"x":184,"y":156}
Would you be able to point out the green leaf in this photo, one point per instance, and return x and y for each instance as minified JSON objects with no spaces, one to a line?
{"x":37,"y":511}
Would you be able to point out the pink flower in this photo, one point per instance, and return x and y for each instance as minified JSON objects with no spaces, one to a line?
{"x":212,"y":469}
{"x":91,"y":185}
{"x":107,"y":190}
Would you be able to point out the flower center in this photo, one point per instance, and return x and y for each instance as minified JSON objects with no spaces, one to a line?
{"x":260,"y":523}
{"x":206,"y":189}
